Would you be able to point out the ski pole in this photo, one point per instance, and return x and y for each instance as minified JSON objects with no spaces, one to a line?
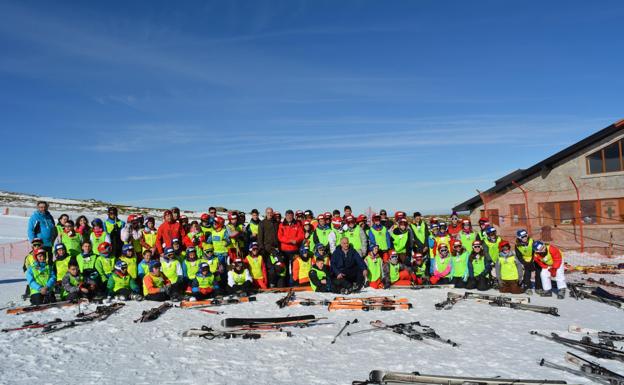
{"x":343,"y":329}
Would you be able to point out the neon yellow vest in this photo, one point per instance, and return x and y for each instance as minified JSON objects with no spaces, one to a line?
{"x":205,"y":281}
{"x":192,"y":268}
{"x":304,"y":268}
{"x":467,"y":239}
{"x":508,"y":268}
{"x":493,"y":248}
{"x":395,"y":271}
{"x":419,"y":231}
{"x":381,"y":238}
{"x":219,"y":244}
{"x":132,"y":266}
{"x":526,"y":252}
{"x":170,"y":269}
{"x":320,"y":274}
{"x":255,"y":266}
{"x":120,"y":282}
{"x":374,"y":268}
{"x":72,"y":244}
{"x":239,"y":278}
{"x":150,"y":238}
{"x":157,"y":281}
{"x":86,"y":263}
{"x":41,"y":277}
{"x":96,"y":241}
{"x":399,"y":241}
{"x":62,"y":266}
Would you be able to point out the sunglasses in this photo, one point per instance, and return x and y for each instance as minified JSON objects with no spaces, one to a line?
{"x":476,"y":246}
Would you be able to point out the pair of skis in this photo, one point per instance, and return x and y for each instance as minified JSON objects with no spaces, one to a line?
{"x":412,"y":330}
{"x":369,"y":303}
{"x":596,"y":349}
{"x":596,"y":293}
{"x":422,"y":287}
{"x":587,"y":369}
{"x":215,"y":302}
{"x":518,"y":303}
{"x":602,"y":335}
{"x":154,"y":313}
{"x":36,"y":308}
{"x":101,"y":313}
{"x":245,"y":334}
{"x":383,"y":377}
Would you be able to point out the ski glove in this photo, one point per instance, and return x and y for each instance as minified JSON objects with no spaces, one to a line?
{"x":553,"y":272}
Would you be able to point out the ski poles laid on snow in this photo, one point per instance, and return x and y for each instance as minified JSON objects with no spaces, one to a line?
{"x":343,"y":329}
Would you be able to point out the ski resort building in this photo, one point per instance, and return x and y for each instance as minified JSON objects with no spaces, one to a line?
{"x":574,"y":199}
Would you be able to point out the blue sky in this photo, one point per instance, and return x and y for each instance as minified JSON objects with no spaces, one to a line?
{"x":298,"y":104}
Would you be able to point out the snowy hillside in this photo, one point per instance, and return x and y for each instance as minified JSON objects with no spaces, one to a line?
{"x":494,"y":341}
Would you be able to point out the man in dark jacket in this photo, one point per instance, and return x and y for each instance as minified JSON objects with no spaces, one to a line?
{"x":267,"y":233}
{"x":348,"y":268}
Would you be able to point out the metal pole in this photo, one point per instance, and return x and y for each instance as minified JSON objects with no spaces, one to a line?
{"x":580,"y":214}
{"x":526,"y":206}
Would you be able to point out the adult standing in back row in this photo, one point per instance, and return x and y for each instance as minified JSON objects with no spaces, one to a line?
{"x":290,"y":235}
{"x":41,"y":225}
{"x":267,"y":233}
{"x":113,"y":228}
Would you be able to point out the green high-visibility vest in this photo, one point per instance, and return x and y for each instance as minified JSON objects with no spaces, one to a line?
{"x":192,"y":268}
{"x":508,"y":268}
{"x":120,"y":282}
{"x":104,"y":266}
{"x":460,"y":264}
{"x":467,"y":239}
{"x":526,"y":251}
{"x":86,"y":262}
{"x":442,"y":263}
{"x":239,"y":278}
{"x":381,"y":237}
{"x":493,"y":248}
{"x":478,"y":266}
{"x":420,"y":271}
{"x":374,"y":268}
{"x":205,"y":281}
{"x":41,"y":277}
{"x":72,"y":244}
{"x":132,"y":266}
{"x":62,"y":265}
{"x":254,"y":228}
{"x":419,"y":231}
{"x":320,"y":274}
{"x":96,"y":241}
{"x":395,"y":272}
{"x":354,"y":237}
{"x":170,"y":269}
{"x":399,"y":241}
{"x":219,"y":243}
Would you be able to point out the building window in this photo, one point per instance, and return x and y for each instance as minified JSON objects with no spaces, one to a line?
{"x":492,"y":216}
{"x":518,"y":215}
{"x":595,"y":211}
{"x":607,"y":159}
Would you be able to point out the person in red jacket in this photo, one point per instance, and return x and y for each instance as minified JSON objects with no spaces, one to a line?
{"x":168,"y":231}
{"x":455,"y":226}
{"x":550,"y":259}
{"x":290,"y":236}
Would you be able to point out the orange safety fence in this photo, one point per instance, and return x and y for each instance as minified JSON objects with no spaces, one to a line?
{"x":14,"y":251}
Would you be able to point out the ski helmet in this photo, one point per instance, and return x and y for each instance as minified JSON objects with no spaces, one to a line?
{"x":204,"y":266}
{"x":169,"y":251}
{"x":539,"y":247}
{"x":190,"y":250}
{"x":490,"y":230}
{"x":503,"y":244}
{"x":308,"y":213}
{"x":104,"y":248}
{"x":521,"y":233}
{"x":97,"y":222}
{"x":36,"y":241}
{"x":204,"y":217}
{"x":120,"y":265}
{"x":154,"y":264}
{"x":59,"y":246}
{"x":253,"y":245}
{"x":127,"y":247}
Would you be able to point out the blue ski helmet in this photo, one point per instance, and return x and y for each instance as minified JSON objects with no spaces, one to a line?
{"x":521,"y":234}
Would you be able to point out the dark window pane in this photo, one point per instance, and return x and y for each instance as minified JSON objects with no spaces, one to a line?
{"x":588,"y":211}
{"x":612,"y":157}
{"x":566,"y":213}
{"x":547,"y":214}
{"x":595,"y":162}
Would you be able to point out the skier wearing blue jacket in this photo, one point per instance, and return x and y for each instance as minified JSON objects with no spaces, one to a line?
{"x":41,"y":225}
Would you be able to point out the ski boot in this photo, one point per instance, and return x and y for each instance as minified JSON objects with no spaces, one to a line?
{"x":546,"y":293}
{"x":561,"y":293}
{"x":528,"y":292}
{"x":136,"y":297}
{"x":539,"y":291}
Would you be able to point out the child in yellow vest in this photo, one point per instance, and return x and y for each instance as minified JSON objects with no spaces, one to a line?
{"x":257,"y":267}
{"x":239,"y":279}
{"x":374,"y":264}
{"x":301,"y":268}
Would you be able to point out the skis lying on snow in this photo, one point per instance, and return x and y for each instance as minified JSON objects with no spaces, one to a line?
{"x":520,"y":303}
{"x":42,"y":307}
{"x":603,"y":282}
{"x":283,"y":302}
{"x":99,"y":314}
{"x":211,"y":334}
{"x":602,"y":335}
{"x":596,"y":349}
{"x":215,"y":302}
{"x":412,"y":330}
{"x":369,"y":303}
{"x":295,"y":320}
{"x":580,"y":291}
{"x":521,"y":306}
{"x":588,"y":369}
{"x":382,"y":377}
{"x":152,"y":314}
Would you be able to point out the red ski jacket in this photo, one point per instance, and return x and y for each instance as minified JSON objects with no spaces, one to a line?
{"x":288,"y":233}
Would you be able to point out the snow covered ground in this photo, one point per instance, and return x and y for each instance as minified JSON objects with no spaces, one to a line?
{"x":494,"y":341}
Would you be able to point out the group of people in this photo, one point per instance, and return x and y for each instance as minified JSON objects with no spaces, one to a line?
{"x":331,"y":252}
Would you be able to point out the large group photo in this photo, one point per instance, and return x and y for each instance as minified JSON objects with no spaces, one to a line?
{"x":311,"y":192}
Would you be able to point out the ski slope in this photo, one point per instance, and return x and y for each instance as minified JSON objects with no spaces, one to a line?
{"x":494,"y":341}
